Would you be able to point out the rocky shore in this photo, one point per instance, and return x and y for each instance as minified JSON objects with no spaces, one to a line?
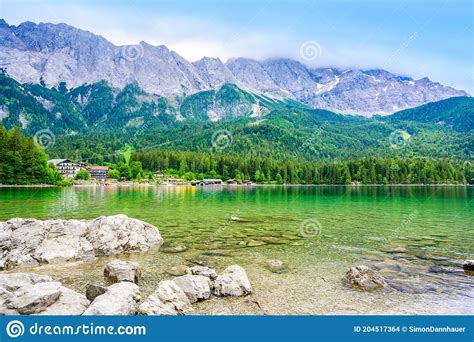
{"x":122,"y":290}
{"x":33,"y":294}
{"x":31,"y":243}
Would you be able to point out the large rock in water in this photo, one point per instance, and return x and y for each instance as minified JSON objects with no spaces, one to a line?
{"x":168,"y":299}
{"x":30,"y":242}
{"x":28,"y":293}
{"x":196,"y":287}
{"x":116,"y":271}
{"x":363,"y":278}
{"x":232,"y":282}
{"x":119,"y":300}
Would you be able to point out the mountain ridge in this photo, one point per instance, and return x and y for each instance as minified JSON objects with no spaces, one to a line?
{"x":51,"y":54}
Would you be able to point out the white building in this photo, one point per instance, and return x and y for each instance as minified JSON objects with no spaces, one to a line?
{"x":67,"y":168}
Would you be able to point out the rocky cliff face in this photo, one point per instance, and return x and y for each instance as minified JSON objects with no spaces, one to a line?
{"x":51,"y":54}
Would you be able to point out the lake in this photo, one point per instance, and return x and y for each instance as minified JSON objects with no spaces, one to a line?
{"x":417,"y":237}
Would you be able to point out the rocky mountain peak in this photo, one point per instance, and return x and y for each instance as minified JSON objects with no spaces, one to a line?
{"x":55,"y":53}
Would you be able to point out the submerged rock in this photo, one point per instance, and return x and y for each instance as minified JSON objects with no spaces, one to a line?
{"x":363,"y":278}
{"x":235,"y":218}
{"x":93,"y":291}
{"x":177,"y":270}
{"x":116,"y":271}
{"x":174,"y":249}
{"x":196,"y":287}
{"x":276,"y":266}
{"x":217,"y":253}
{"x":254,"y":243}
{"x":202,"y":270}
{"x":232,"y":282}
{"x":30,"y":242}
{"x":410,"y":286}
{"x":120,"y":299}
{"x":168,"y":299}
{"x":201,"y":260}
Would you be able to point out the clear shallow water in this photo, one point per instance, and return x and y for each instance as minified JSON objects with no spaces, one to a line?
{"x":415,"y":236}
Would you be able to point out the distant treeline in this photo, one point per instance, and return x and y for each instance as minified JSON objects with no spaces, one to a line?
{"x":371,"y":170}
{"x":23,"y":162}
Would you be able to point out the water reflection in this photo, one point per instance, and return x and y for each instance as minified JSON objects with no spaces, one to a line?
{"x":415,"y":236}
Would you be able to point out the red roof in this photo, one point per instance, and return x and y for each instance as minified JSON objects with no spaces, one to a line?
{"x":98,"y":168}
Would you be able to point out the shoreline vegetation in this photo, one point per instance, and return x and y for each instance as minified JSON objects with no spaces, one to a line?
{"x":24,"y":162}
{"x":128,"y":184}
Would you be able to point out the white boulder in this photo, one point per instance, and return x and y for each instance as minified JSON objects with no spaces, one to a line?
{"x":35,"y":298}
{"x":168,"y":299}
{"x":116,"y":271}
{"x":196,"y":287}
{"x":119,"y":300}
{"x":31,"y":242}
{"x":70,"y":303}
{"x":232,"y":282}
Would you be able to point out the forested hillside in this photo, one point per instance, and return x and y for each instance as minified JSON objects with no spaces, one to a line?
{"x":23,"y":162}
{"x":190,"y":166}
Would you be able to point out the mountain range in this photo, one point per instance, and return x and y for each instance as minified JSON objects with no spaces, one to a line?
{"x":66,"y":58}
{"x":97,"y":101}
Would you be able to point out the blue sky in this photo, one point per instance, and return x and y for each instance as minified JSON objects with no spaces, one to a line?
{"x":415,"y":38}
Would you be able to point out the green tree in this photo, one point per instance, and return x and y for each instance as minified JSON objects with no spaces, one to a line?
{"x":135,"y":169}
{"x":189,"y":176}
{"x":114,"y":174}
{"x":83,"y":175}
{"x":22,"y":161}
{"x":124,"y":170}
